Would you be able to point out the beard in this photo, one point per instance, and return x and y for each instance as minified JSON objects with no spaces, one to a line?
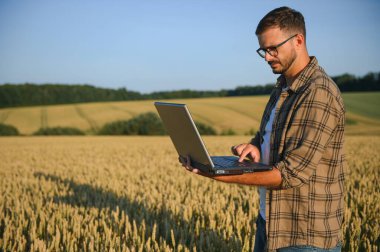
{"x":281,"y":66}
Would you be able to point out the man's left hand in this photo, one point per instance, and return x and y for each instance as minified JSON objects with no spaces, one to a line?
{"x":186,"y":163}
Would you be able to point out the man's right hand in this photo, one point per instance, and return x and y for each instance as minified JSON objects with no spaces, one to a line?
{"x":246,"y":150}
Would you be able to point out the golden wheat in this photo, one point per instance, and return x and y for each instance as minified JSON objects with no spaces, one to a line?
{"x":130,"y":194}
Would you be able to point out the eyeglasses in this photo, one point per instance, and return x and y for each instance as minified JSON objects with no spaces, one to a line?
{"x":272,"y":50}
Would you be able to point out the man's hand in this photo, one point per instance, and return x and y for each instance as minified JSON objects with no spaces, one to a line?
{"x":187,"y":164}
{"x":266,"y":178}
{"x":246,"y":150}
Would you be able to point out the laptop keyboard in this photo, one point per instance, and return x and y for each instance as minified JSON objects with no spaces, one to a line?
{"x":227,"y":162}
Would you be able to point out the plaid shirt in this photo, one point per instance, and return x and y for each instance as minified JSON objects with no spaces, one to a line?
{"x":306,"y":146}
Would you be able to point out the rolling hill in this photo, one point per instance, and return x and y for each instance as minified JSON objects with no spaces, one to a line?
{"x":241,"y":114}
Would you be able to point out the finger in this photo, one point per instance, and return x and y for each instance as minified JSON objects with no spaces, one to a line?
{"x":240,"y":148}
{"x":187,"y":164}
{"x":199,"y":172}
{"x":184,"y":163}
{"x":243,"y":154}
{"x":196,"y":171}
{"x":253,"y":157}
{"x":256,"y":158}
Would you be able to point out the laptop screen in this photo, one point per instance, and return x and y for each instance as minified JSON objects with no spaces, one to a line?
{"x":183,"y":132}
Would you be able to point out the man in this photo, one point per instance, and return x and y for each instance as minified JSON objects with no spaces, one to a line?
{"x":301,"y":136}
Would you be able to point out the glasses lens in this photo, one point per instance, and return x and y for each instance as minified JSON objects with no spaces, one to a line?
{"x":272,"y":51}
{"x":261,"y":52}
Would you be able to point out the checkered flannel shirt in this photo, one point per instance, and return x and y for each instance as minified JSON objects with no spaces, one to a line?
{"x":306,"y":146}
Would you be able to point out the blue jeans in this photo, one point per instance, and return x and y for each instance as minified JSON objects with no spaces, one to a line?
{"x":261,"y":241}
{"x":309,"y":248}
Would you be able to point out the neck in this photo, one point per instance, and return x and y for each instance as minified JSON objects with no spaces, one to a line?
{"x":298,"y":65}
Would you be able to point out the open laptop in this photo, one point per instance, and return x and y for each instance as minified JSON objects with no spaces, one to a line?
{"x":184,"y":134}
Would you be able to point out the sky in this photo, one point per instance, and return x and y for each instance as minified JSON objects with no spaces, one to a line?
{"x":158,"y":45}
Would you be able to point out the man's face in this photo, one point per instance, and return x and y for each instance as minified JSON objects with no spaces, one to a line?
{"x":287,"y":54}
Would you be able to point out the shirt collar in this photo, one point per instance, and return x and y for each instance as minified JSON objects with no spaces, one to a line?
{"x":301,"y":78}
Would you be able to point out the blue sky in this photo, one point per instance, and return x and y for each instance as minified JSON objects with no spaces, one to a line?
{"x":156,"y":45}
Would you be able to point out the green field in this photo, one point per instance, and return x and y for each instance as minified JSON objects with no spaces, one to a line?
{"x":241,"y":114}
{"x":365,"y":104}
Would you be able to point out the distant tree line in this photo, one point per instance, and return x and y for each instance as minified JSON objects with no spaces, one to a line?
{"x":46,"y":94}
{"x":28,"y":94}
{"x":350,"y":83}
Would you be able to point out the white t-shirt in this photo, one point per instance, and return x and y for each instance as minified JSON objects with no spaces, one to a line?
{"x":265,"y":149}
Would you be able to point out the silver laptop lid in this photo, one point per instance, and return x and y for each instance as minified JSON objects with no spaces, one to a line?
{"x":183,"y":132}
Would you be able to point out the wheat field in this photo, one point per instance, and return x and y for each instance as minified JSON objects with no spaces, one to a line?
{"x":130,"y":194}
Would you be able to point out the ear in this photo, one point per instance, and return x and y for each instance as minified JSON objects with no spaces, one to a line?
{"x":299,"y":40}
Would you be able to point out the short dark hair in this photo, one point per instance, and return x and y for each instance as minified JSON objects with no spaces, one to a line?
{"x":284,"y":18}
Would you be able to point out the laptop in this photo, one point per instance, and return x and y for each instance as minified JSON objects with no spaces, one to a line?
{"x":184,"y":134}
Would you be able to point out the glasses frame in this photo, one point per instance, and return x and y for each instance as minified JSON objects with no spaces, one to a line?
{"x":272,"y":50}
